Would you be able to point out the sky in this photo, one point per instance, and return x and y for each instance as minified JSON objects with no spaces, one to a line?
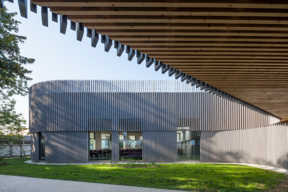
{"x":60,"y":56}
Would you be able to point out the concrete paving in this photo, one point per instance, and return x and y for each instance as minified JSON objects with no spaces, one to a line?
{"x":275,"y":169}
{"x":28,"y":184}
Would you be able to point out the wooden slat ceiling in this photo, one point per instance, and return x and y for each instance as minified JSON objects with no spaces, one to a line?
{"x":240,"y":47}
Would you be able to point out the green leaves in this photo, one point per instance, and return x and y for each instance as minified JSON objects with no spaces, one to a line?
{"x":13,"y":75}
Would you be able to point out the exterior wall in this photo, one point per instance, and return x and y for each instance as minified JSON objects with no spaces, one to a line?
{"x":159,"y":146}
{"x":135,"y":106}
{"x":35,"y":148}
{"x":265,"y":146}
{"x":115,"y":146}
{"x":67,"y":110}
{"x":66,"y":147}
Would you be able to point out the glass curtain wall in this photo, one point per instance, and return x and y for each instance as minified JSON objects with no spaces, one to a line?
{"x":42,"y":145}
{"x":130,"y":145}
{"x":188,"y":145}
{"x":100,"y":145}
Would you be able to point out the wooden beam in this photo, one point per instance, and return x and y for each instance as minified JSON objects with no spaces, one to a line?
{"x":158,"y":3}
{"x":220,"y":67}
{"x":196,"y":39}
{"x":164,"y":11}
{"x":176,"y":19}
{"x":174,"y":53}
{"x":181,"y":26}
{"x":202,"y":44}
{"x":164,"y":49}
{"x":222,"y":60}
{"x":227,"y":64}
{"x":218,"y":57}
{"x":190,"y":33}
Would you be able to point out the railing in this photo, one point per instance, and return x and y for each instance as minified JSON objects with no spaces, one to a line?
{"x":14,"y":150}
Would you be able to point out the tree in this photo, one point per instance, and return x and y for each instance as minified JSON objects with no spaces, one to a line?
{"x":13,"y":133}
{"x":13,"y":76}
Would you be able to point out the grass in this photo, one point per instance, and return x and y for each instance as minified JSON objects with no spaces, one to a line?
{"x":200,"y":177}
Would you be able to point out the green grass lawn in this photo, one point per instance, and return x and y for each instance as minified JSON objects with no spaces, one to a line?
{"x":202,"y":177}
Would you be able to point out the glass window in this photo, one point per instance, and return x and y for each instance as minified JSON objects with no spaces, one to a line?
{"x":188,"y":145}
{"x":92,"y":144}
{"x":131,"y":137}
{"x":105,"y":144}
{"x":105,"y":136}
{"x":42,"y":145}
{"x":130,"y":145}
{"x":100,"y":145}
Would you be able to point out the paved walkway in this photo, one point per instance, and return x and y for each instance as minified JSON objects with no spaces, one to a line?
{"x":28,"y":184}
{"x":279,"y":170}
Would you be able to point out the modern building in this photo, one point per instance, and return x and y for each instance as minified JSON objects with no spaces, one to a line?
{"x":78,"y":121}
{"x":234,"y":50}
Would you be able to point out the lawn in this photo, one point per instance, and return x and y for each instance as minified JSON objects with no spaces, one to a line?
{"x":201,"y":177}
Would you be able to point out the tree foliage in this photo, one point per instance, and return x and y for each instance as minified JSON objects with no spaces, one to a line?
{"x":13,"y":77}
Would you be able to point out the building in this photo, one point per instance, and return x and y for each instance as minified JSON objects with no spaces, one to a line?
{"x":75,"y":121}
{"x":235,"y":50}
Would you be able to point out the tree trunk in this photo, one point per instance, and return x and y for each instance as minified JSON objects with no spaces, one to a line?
{"x":2,"y":159}
{"x":22,"y":150}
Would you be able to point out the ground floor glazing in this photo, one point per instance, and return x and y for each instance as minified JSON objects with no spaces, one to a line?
{"x":130,"y":145}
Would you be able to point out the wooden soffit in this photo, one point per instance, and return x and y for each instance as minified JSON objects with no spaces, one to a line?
{"x":240,"y":47}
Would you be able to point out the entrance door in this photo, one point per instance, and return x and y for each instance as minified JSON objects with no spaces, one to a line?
{"x":188,"y":145}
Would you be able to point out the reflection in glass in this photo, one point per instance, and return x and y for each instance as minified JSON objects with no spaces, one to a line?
{"x":130,"y":145}
{"x":188,"y":145}
{"x":42,"y":145}
{"x":100,"y":145}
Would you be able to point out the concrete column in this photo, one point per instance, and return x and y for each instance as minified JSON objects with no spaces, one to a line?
{"x":98,"y":140}
{"x":115,"y":146}
{"x":35,"y":148}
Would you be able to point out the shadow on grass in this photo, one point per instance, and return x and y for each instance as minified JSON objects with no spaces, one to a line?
{"x":200,"y":177}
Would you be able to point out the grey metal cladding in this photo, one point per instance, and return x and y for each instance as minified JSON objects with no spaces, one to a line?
{"x":33,"y":7}
{"x":265,"y":146}
{"x":94,"y":38}
{"x":154,"y":105}
{"x":44,"y":16}
{"x":115,"y":146}
{"x":35,"y":148}
{"x":159,"y":146}
{"x":23,"y":8}
{"x":80,"y":31}
{"x":68,"y":147}
{"x":72,"y":25}
{"x":63,"y":23}
{"x":55,"y":17}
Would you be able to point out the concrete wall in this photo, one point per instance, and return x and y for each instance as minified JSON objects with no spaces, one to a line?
{"x":66,"y":147}
{"x":265,"y":146}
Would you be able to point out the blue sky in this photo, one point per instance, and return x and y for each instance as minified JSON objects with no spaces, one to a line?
{"x":61,"y":56}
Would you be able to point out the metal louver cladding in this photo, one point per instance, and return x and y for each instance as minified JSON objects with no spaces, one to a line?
{"x":188,"y":124}
{"x":263,"y":146}
{"x":88,"y":105}
{"x":130,"y":125}
{"x":100,"y":124}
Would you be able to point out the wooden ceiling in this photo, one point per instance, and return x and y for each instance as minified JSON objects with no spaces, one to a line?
{"x":240,"y":47}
